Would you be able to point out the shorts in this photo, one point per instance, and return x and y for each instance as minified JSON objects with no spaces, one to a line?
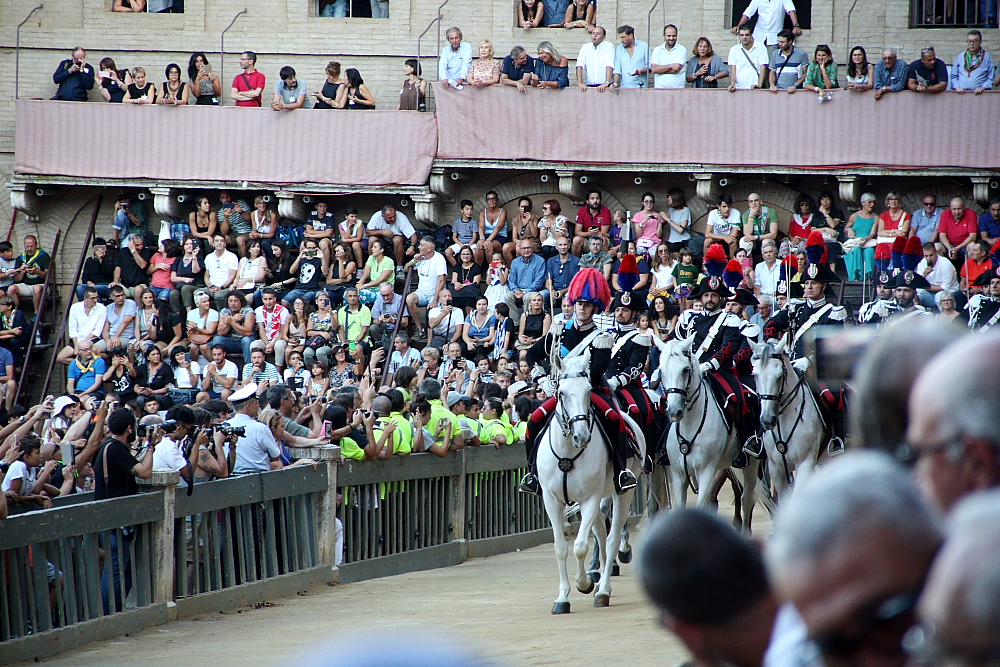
{"x":457,"y":247}
{"x":130,"y":291}
{"x":24,"y":289}
{"x":423,"y":299}
{"x":682,"y":292}
{"x":213,"y":394}
{"x":104,"y":345}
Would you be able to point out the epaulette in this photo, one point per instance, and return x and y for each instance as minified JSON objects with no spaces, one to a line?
{"x":646,"y":340}
{"x":838,"y":314}
{"x":750,"y":330}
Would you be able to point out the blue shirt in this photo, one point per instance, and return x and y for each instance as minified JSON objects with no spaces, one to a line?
{"x":625,"y":64}
{"x":929,"y":77}
{"x":527,"y":276}
{"x":924,"y":225}
{"x":515,"y":73}
{"x":894,"y":79}
{"x":554,"y":12}
{"x":455,"y":65}
{"x":552,"y":73}
{"x":562,"y":273}
{"x":85,"y":379}
{"x":254,"y":449}
{"x":73,"y":86}
{"x":981,"y":77}
{"x":6,"y":359}
{"x":989,"y":226}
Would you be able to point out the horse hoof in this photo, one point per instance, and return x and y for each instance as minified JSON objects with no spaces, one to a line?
{"x":615,"y":570}
{"x":602,"y":600}
{"x":590,"y":587}
{"x":625,"y":556}
{"x":595,"y":575}
{"x":560,"y":608}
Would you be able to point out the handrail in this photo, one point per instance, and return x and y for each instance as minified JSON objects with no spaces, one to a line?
{"x":436,"y":19}
{"x":17,"y":56}
{"x":222,"y":52}
{"x":57,"y":344}
{"x":38,"y":321}
{"x":395,"y":330}
{"x":649,"y":38}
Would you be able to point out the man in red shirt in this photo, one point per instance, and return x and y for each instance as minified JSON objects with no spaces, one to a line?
{"x":958,"y":228}
{"x":977,"y":260}
{"x":594,"y":219}
{"x":249,"y":84}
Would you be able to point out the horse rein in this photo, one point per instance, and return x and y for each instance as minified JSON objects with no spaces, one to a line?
{"x":684,"y":444}
{"x":781,"y":444}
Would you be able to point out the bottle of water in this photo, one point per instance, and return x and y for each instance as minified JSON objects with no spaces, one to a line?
{"x":38,"y":337}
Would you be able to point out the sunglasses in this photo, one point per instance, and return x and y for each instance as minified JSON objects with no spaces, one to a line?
{"x":892,"y":614}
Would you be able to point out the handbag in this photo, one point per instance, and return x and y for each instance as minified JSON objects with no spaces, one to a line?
{"x":317,"y":342}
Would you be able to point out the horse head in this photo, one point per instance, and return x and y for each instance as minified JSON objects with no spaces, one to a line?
{"x":573,"y":394}
{"x":678,"y":374}
{"x":770,"y":371}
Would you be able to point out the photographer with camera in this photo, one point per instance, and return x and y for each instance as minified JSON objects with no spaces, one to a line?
{"x":181,"y":447}
{"x":74,"y":77}
{"x":130,"y":218}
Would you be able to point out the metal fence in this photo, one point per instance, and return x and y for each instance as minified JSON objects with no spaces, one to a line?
{"x":65,"y":566}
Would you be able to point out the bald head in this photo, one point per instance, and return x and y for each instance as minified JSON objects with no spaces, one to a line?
{"x":961,"y":601}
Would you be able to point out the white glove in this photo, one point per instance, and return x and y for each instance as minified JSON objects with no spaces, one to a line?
{"x":801,"y":365}
{"x":537,"y":372}
{"x":614,"y":383}
{"x":706,"y":367}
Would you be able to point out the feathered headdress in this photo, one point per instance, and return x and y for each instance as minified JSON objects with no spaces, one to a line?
{"x":628,"y":273}
{"x":995,"y":255}
{"x":789,"y":267}
{"x":883,"y":258}
{"x":912,"y":253}
{"x":590,"y":285}
{"x":715,"y":260}
{"x":897,"y":252}
{"x":732,"y":275}
{"x":816,"y":248}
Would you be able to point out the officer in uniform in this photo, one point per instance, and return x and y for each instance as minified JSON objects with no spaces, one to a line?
{"x":743,"y":366}
{"x":628,"y":359}
{"x":874,"y":313}
{"x":589,"y":293}
{"x":984,"y":309}
{"x":905,"y":288}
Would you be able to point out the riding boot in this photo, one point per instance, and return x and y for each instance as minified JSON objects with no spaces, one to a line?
{"x":529,"y":483}
{"x":664,"y":459}
{"x":624,"y":479}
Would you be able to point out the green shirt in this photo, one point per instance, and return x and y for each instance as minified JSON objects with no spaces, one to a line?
{"x":686,"y":274}
{"x":439,"y":412}
{"x":350,"y":450}
{"x":354,"y":322}
{"x":378,"y":267}
{"x":762,"y":223}
{"x":398,"y":437}
{"x":492,"y":428}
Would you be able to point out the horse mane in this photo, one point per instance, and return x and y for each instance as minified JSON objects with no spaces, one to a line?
{"x":574,"y":365}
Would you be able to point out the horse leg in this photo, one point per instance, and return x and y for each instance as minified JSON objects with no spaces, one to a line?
{"x":595,"y":563}
{"x":554,"y":509}
{"x":706,"y":481}
{"x":749,"y":486}
{"x":776,"y":470}
{"x":717,"y":484}
{"x":619,"y":514}
{"x":678,"y":487}
{"x":624,"y":548}
{"x":590,"y":517}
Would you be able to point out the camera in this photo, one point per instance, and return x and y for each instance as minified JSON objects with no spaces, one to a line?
{"x":141,"y":430}
{"x":118,"y":352}
{"x":228,"y":430}
{"x":169,"y":426}
{"x":837,"y":351}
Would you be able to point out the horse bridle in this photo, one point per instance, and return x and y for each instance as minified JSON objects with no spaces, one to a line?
{"x":781,"y":444}
{"x":683,"y":391}
{"x":565,"y":421}
{"x":684,"y":444}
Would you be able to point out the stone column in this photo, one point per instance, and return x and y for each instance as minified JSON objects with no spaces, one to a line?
{"x":163,"y":538}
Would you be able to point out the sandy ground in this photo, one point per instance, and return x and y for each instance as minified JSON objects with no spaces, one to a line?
{"x":499,"y":605}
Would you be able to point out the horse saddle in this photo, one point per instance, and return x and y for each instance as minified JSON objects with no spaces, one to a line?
{"x":726,"y":399}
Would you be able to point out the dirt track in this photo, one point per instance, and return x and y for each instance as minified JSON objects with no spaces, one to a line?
{"x":498,"y":605}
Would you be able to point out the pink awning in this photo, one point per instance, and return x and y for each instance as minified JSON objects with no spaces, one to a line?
{"x":718,"y":128}
{"x":201,"y":143}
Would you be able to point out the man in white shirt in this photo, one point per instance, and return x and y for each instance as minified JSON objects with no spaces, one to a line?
{"x":220,"y":270}
{"x":595,"y":65}
{"x":169,"y":452}
{"x":86,"y":322}
{"x":765,"y":274}
{"x":220,"y":376}
{"x":456,"y":58}
{"x":270,"y":319}
{"x":631,"y":60}
{"x":390,"y":224}
{"x":770,"y":21}
{"x":940,"y":274}
{"x":747,"y":62}
{"x":445,"y":321}
{"x":403,"y":355}
{"x":669,"y":61}
{"x":431,"y":269}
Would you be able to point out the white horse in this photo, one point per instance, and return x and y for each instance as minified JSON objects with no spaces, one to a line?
{"x":573,"y":466}
{"x":700,"y":442}
{"x":791,"y":418}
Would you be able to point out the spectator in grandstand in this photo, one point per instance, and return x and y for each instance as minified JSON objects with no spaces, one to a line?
{"x":259,"y":370}
{"x":393,"y":227}
{"x":989,"y":223}
{"x":74,"y":76}
{"x":554,"y":13}
{"x":234,"y":220}
{"x":353,"y":319}
{"x":464,"y":232}
{"x":237,"y":328}
{"x":595,"y":64}
{"x":939,"y":273}
{"x":119,"y":326}
{"x":378,"y":269}
{"x":559,"y":270}
{"x":445,"y":321}
{"x":203,"y":223}
{"x":596,"y":257}
{"x":957,"y":229}
{"x":761,"y":224}
{"x":322,"y":226}
{"x":854,"y":571}
{"x":977,"y":260}
{"x":485,"y":70}
{"x":403,"y":355}
{"x":98,"y":271}
{"x":456,"y":58}
{"x":29,"y":272}
{"x":592,"y":220}
{"x":927,"y":75}
{"x":466,"y":280}
{"x":278,"y":276}
{"x":580,"y":14}
{"x":860,"y":73}
{"x":187,"y":275}
{"x":413,"y":94}
{"x":86,"y":323}
{"x":203,"y":83}
{"x":202,"y":324}
{"x":310,"y":270}
{"x":822,"y":72}
{"x":320,"y":332}
{"x":551,"y":67}
{"x":924,"y":222}
{"x":432,"y":270}
{"x":493,"y":231}
{"x":221,"y":267}
{"x":523,"y":227}
{"x":530,"y":13}
{"x":678,"y":219}
{"x":272,"y":327}
{"x":973,"y":69}
{"x":341,"y":274}
{"x":160,"y":267}
{"x":385,"y":312}
{"x":518,"y":69}
{"x":747,"y":62}
{"x":290,"y":92}
{"x":248,"y":85}
{"x":174,"y":91}
{"x":527,"y":277}
{"x":219,"y":376}
{"x":787,"y":65}
{"x":131,"y":265}
{"x":770,"y":20}
{"x":140,"y":91}
{"x":86,"y":371}
{"x":14,"y":330}
{"x":724,"y":224}
{"x":669,"y":61}
{"x":113,"y":85}
{"x":130,"y":218}
{"x":333,"y":95}
{"x":263,"y":225}
{"x":632,"y":60}
{"x":705,"y":67}
{"x":890,"y":73}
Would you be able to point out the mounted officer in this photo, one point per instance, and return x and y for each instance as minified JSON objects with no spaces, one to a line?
{"x":984,"y":309}
{"x":749,"y":423}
